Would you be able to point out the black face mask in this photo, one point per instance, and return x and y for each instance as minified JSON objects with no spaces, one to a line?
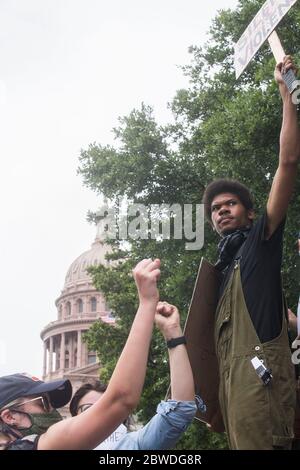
{"x":228,"y":247}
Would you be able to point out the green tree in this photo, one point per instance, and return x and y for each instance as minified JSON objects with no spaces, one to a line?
{"x":222,"y":128}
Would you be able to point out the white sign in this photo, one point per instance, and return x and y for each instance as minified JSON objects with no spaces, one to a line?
{"x":262,"y":25}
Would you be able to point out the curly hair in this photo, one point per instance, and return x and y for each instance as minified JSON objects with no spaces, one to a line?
{"x":225,"y":185}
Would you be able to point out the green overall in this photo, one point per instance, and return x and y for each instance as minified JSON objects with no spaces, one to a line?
{"x":256,"y":416}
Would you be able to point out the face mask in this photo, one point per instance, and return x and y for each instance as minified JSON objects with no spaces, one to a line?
{"x":40,"y":422}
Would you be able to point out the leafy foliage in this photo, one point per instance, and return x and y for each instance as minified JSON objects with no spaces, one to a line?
{"x":222,"y":128}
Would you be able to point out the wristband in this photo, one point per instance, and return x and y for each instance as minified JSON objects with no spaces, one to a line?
{"x":172,"y":343}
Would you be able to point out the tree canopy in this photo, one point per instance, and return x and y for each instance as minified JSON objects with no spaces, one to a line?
{"x":221,"y":128}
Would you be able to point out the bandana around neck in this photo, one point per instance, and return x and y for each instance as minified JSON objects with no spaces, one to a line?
{"x":228,"y":247}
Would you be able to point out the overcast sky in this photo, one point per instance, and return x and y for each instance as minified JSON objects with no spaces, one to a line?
{"x":68,"y":69}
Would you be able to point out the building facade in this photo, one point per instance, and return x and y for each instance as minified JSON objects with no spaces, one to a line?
{"x":78,"y":306}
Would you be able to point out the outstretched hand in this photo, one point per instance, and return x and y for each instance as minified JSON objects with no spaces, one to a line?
{"x":146,"y":274}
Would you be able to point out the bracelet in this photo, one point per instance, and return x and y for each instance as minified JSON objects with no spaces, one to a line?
{"x":172,"y":343}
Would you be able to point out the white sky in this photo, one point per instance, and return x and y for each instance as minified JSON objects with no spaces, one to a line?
{"x":68,"y":69}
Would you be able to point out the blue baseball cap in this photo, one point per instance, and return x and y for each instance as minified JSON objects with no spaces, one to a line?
{"x":23,"y":385}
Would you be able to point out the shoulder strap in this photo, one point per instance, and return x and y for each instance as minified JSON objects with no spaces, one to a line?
{"x":239,"y":253}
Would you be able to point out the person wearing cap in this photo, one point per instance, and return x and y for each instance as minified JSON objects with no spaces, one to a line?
{"x":173,"y":416}
{"x":34,"y":403}
{"x":28,"y":415}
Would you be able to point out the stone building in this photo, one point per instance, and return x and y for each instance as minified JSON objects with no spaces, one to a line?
{"x":78,"y":306}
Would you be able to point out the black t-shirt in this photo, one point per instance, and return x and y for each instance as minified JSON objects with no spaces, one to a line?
{"x":260,"y":264}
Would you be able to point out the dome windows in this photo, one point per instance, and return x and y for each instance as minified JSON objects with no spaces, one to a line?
{"x":67,"y":359}
{"x":93,"y":304}
{"x":92,"y":358}
{"x":79,"y":306}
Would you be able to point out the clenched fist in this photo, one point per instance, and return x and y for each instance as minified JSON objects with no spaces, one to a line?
{"x":146,"y":274}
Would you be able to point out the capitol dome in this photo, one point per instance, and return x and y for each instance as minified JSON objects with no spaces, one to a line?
{"x":79,"y":305}
{"x":77,"y":272}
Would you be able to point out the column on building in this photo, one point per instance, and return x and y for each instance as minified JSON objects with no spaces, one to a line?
{"x":45,"y":359}
{"x":56,"y":352}
{"x":62,"y":351}
{"x":72,"y":351}
{"x":79,"y":349}
{"x":50,"y":356}
{"x":84,"y":356}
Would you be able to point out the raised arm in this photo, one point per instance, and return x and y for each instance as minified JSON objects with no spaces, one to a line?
{"x":86,"y":430}
{"x":285,"y":176}
{"x":171,"y":418}
{"x":182,"y":382}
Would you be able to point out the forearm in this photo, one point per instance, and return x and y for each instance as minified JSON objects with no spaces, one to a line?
{"x":290,"y":134}
{"x":182,"y":380}
{"x":86,"y":430}
{"x":129,"y":374}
